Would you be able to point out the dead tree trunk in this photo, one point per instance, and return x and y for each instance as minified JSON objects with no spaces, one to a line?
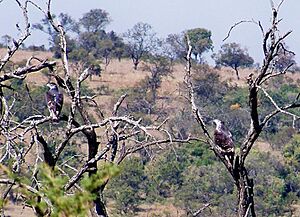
{"x":99,"y":209}
{"x":236,"y":72}
{"x":273,"y":42}
{"x":245,"y":190}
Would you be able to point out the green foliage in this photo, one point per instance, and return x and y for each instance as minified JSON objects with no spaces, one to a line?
{"x":2,"y":203}
{"x":103,"y":89}
{"x":279,"y":139}
{"x":237,"y":96}
{"x":167,"y":171}
{"x":291,"y":153}
{"x":52,"y":196}
{"x":156,"y":180}
{"x":126,"y":189}
{"x":271,"y":187}
{"x":222,"y":101}
{"x":93,"y":46}
{"x":207,"y":183}
{"x":209,"y":88}
{"x":139,"y":99}
{"x":159,"y":67}
{"x":95,"y":20}
{"x":201,"y":42}
{"x":76,"y":204}
{"x":166,"y":175}
{"x":281,"y":94}
{"x":234,"y":56}
{"x":86,"y":91}
{"x":285,"y":93}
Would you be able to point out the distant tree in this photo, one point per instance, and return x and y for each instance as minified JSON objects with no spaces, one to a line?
{"x":140,"y":40}
{"x":89,"y":40}
{"x":177,"y":45}
{"x":95,"y":20}
{"x":104,"y":49}
{"x":36,"y":48}
{"x":200,"y":39}
{"x":118,"y":45}
{"x":71,"y":26}
{"x":101,"y":45}
{"x":6,"y":39}
{"x":119,"y":51}
{"x":97,"y":42}
{"x":201,"y":42}
{"x":159,"y":66}
{"x":109,"y":46}
{"x":232,"y":55}
{"x":284,"y":59}
{"x":72,"y":46}
{"x":69,"y":23}
{"x":45,"y":27}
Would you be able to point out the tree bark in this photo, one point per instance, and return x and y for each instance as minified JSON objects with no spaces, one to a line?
{"x":236,"y":72}
{"x":245,"y":191}
{"x":99,"y":209}
{"x":135,"y":63}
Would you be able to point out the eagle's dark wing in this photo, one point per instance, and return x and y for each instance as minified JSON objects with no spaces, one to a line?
{"x":59,"y":102}
{"x":223,"y":140}
{"x":54,"y":103}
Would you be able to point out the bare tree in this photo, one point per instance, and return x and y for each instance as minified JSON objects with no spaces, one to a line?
{"x":140,"y":41}
{"x":273,"y":41}
{"x":108,"y":138}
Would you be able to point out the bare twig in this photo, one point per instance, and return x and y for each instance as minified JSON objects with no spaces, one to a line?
{"x":239,"y":23}
{"x":199,"y":211}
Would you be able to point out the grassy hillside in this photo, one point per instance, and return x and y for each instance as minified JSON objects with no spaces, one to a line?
{"x":120,"y":76}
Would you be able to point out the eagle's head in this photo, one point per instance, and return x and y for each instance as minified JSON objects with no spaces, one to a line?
{"x":218,"y":124}
{"x":52,"y":86}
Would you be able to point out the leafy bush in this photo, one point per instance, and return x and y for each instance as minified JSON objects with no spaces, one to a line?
{"x":126,"y":189}
{"x":53,"y":196}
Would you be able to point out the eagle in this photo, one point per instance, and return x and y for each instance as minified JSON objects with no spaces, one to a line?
{"x":223,"y":139}
{"x":54,"y":99}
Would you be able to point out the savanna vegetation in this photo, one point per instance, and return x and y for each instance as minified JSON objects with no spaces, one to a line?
{"x":138,"y":140}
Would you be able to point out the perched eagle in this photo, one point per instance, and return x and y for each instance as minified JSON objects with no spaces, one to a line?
{"x":223,"y":139}
{"x":54,"y":100}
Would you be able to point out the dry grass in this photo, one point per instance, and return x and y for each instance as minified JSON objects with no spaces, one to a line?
{"x":156,"y":209}
{"x":118,"y":76}
{"x":22,"y":55}
{"x":264,"y":146}
{"x":14,"y":210}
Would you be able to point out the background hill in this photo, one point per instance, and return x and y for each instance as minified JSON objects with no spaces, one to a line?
{"x":118,"y":78}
